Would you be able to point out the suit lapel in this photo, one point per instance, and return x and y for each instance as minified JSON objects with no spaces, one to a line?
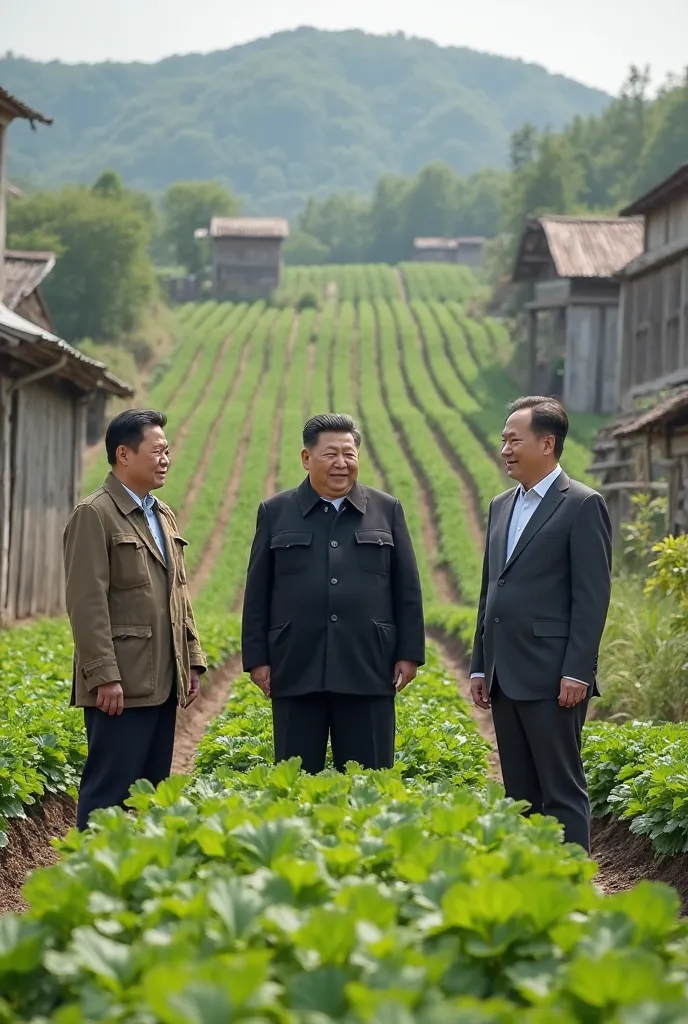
{"x":502,"y":527}
{"x":547,"y":507}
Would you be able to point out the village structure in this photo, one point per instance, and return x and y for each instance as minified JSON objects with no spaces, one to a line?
{"x":646,"y":446}
{"x":570,"y":265}
{"x":247,"y":259}
{"x":468,"y":252}
{"x":46,"y":389}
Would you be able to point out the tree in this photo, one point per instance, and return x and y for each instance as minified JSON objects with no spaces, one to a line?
{"x":103,"y":278}
{"x":190,"y":205}
{"x":305,"y":250}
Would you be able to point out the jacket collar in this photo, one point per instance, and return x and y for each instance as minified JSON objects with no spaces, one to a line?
{"x":308,"y":498}
{"x":120,"y":495}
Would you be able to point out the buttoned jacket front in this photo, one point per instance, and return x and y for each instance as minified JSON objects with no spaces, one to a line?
{"x":332,"y":599}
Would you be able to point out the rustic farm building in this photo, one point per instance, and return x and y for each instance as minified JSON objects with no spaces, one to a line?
{"x":45,"y":388}
{"x":467,"y":252}
{"x":646,"y":448}
{"x":247,"y":256}
{"x":570,"y":264}
{"x":24,"y":274}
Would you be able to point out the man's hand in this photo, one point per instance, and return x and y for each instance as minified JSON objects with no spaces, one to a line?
{"x":111,"y":698}
{"x":480,"y":693}
{"x":194,"y":686}
{"x":571,"y":693}
{"x":404,"y":672}
{"x":261,"y":677}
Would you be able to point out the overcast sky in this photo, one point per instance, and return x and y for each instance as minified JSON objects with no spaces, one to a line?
{"x":593,"y":41}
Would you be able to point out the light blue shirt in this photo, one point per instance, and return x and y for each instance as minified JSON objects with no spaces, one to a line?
{"x":337,"y":502}
{"x":149,"y":505}
{"x":524,"y":508}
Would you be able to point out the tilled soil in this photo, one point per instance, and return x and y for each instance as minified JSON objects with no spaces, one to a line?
{"x":625,"y":859}
{"x":29,"y":844}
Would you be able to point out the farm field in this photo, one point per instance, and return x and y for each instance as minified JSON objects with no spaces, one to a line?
{"x":248,"y":892}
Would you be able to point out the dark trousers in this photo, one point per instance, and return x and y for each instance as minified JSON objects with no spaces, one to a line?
{"x":361,"y":729}
{"x":137,"y":744}
{"x":539,"y":746}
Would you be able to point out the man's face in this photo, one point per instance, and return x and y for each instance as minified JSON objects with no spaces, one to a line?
{"x":527,"y":457}
{"x":146,"y":468}
{"x":332,"y":464}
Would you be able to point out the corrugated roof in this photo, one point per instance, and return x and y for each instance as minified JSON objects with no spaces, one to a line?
{"x":16,"y":329}
{"x":249,"y":227}
{"x":590,"y":247}
{"x":661,"y":194}
{"x":15,"y":108}
{"x":668,"y":410}
{"x":24,"y":272}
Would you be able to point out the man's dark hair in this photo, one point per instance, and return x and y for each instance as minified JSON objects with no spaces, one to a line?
{"x":128,"y":429}
{"x":330,"y":422}
{"x":548,"y":417}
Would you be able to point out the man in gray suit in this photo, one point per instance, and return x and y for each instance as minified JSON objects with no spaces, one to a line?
{"x":543,"y":605}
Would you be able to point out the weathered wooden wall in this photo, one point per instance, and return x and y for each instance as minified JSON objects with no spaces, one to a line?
{"x":41,"y":442}
{"x":654,"y":332}
{"x":590,"y":375}
{"x":246,"y":267}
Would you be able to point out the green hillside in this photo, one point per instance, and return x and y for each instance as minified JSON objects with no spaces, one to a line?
{"x":298,"y":114}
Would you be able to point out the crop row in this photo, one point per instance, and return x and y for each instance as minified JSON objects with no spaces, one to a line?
{"x":179,"y":393}
{"x":42,"y":741}
{"x":348,"y":282}
{"x":226,"y":578}
{"x":440,"y":281}
{"x":416,"y":895}
{"x":458,"y":549}
{"x":289,"y":469}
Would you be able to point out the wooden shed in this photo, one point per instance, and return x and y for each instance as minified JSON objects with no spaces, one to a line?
{"x":467,"y":252}
{"x":570,"y":264}
{"x":645,"y":447}
{"x":45,"y":388}
{"x":247,"y":256}
{"x":653,"y":340}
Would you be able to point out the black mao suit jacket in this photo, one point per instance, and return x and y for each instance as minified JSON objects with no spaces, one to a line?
{"x":332,"y":599}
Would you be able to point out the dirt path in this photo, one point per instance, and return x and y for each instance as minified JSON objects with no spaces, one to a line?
{"x":228,"y":501}
{"x":271,"y":481}
{"x":310,"y":364}
{"x":474,"y":515}
{"x":209,"y":448}
{"x":29,"y":838}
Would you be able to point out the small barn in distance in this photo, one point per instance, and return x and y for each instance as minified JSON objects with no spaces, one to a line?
{"x":467,"y":252}
{"x":45,"y":389}
{"x":646,"y":448}
{"x":570,"y":264}
{"x":247,"y":257}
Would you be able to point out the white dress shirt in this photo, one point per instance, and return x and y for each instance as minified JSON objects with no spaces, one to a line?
{"x":524,"y":509}
{"x":149,"y":505}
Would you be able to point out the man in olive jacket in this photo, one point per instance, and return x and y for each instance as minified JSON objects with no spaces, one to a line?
{"x":137,"y":655}
{"x":333,"y":616}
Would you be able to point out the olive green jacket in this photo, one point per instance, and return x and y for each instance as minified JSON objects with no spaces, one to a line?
{"x":130,"y":613}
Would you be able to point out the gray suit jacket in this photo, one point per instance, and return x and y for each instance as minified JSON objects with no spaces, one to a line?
{"x":541,"y":614}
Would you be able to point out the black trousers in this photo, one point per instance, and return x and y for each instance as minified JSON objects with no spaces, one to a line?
{"x":361,"y":729}
{"x":539,"y":746}
{"x":137,"y":744}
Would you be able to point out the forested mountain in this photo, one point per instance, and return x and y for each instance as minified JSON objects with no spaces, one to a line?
{"x":282,"y":119}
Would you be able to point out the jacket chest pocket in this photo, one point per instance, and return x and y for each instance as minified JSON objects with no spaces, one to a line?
{"x":290,"y":551}
{"x":178,"y":545}
{"x":373,"y":550}
{"x":128,"y":562}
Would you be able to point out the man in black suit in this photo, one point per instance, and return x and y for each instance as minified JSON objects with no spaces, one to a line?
{"x":543,"y":605}
{"x":333,"y":618}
